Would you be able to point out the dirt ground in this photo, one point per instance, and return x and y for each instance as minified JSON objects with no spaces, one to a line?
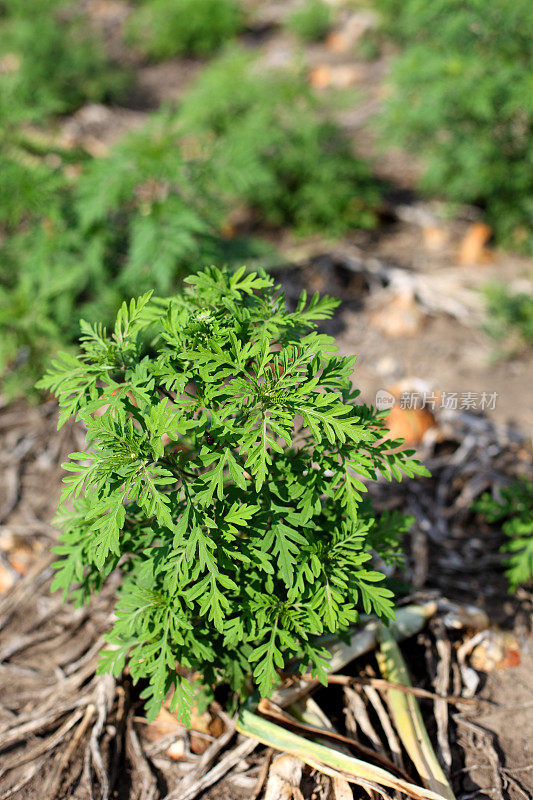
{"x":506,"y":722}
{"x":398,"y":338}
{"x":411,"y":311}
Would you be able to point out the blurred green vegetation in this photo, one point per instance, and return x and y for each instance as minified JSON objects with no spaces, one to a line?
{"x":512,"y":508}
{"x":160,"y":204}
{"x":461,"y":98}
{"x":268,"y":145}
{"x":249,"y":152}
{"x":509,"y":316}
{"x":311,"y":20}
{"x":165,"y":28}
{"x":53,"y":60}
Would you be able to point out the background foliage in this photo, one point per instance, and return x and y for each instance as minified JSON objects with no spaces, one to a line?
{"x":53,"y":60}
{"x":311,"y":20}
{"x":166,"y":28}
{"x":509,"y":314}
{"x":461,"y":97}
{"x":249,"y":152}
{"x":269,"y":144}
{"x":170,"y":189}
{"x":512,"y":508}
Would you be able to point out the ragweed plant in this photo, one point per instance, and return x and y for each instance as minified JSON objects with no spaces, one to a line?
{"x":167,"y":28}
{"x":509,"y":314}
{"x":310,"y":21}
{"x":52,"y":60}
{"x":272,"y":146}
{"x":512,"y":508}
{"x":241,"y":145}
{"x":461,"y":99}
{"x":224,"y":478}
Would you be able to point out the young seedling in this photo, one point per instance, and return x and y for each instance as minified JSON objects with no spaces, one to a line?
{"x":512,"y":508}
{"x":224,"y":479}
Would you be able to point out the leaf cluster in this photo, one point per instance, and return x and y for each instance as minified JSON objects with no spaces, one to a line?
{"x":270,"y":146}
{"x":166,"y":28}
{"x":509,"y":313}
{"x":310,"y":21}
{"x":461,"y":99}
{"x":157,"y":207}
{"x":53,"y":60}
{"x":224,"y":477}
{"x":512,"y":507}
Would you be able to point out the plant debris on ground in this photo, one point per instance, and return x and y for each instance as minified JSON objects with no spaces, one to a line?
{"x":122,"y":104}
{"x":65,"y":729}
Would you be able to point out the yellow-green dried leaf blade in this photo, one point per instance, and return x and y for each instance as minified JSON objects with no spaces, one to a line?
{"x":330,"y":762}
{"x":408,"y":719}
